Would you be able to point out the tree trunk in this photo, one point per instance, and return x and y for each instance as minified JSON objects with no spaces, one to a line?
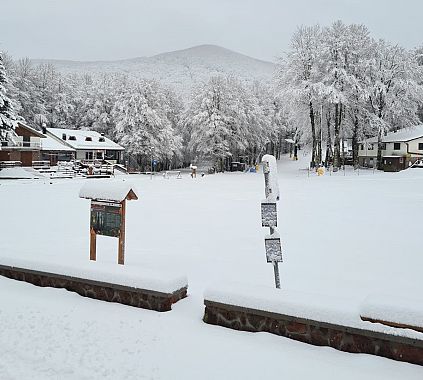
{"x":313,"y":136}
{"x":319,"y":142}
{"x":329,"y":152}
{"x":337,"y":142}
{"x":280,"y":146}
{"x":355,"y":142}
{"x":379,"y":150}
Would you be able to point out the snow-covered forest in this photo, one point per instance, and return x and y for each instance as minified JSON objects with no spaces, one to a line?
{"x":348,"y":85}
{"x":334,"y":83}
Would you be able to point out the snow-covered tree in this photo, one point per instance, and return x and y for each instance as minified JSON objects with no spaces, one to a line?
{"x":209,"y":125}
{"x":347,"y":50}
{"x":142,"y":125}
{"x":419,"y":59}
{"x":393,"y":91}
{"x":340,"y":76}
{"x":226,"y":119}
{"x":300,"y":76}
{"x":7,"y":115}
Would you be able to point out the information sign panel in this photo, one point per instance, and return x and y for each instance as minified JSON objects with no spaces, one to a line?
{"x":273,"y":250}
{"x":106,"y":218}
{"x":269,"y":217}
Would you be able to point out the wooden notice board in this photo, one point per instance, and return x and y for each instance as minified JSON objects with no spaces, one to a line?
{"x":107,"y":212}
{"x":107,"y":219}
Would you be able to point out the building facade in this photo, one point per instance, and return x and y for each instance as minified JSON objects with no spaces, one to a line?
{"x":22,"y":145}
{"x":399,"y":149}
{"x":87,"y":146}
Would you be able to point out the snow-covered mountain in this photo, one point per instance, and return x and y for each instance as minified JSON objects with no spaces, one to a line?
{"x":180,"y":69}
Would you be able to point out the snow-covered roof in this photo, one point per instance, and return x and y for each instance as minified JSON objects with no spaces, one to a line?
{"x":79,"y":139}
{"x":51,"y":144}
{"x":30,"y":129}
{"x":115,"y":191}
{"x":402,"y":135}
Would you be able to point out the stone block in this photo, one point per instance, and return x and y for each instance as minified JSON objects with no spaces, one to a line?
{"x":147,"y":299}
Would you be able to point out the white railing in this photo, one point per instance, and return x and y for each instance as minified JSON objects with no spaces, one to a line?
{"x":18,"y":142}
{"x":9,"y":164}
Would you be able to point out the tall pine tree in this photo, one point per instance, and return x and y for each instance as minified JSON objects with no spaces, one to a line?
{"x":7,"y":116}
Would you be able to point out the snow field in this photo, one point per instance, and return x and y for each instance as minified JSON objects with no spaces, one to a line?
{"x":343,"y":237}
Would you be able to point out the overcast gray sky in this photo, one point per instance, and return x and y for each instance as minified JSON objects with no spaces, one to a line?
{"x":114,"y":29}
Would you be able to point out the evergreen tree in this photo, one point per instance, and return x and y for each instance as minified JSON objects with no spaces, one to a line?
{"x":7,"y":116}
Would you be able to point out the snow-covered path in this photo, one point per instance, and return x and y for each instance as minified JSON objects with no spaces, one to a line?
{"x":342,"y":235}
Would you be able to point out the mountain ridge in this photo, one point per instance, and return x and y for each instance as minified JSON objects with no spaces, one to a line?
{"x":192,"y":48}
{"x":179,"y":69}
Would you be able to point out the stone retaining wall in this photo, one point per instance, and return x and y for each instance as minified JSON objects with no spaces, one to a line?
{"x":146,"y":299}
{"x":317,"y":333}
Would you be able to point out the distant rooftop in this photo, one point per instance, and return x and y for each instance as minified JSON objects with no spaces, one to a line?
{"x":402,"y":135}
{"x":80,"y":139}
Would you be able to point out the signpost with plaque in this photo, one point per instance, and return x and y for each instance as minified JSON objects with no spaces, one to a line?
{"x":269,"y":217}
{"x":108,"y":210}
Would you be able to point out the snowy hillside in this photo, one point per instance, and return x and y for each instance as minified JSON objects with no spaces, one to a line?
{"x":181,"y":69}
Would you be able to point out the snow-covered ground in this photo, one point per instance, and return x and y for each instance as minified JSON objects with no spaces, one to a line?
{"x":345,"y":236}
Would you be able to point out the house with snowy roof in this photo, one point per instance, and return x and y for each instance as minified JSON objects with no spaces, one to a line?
{"x":21,"y":146}
{"x":87,"y":146}
{"x":54,"y":151}
{"x":400,"y":149}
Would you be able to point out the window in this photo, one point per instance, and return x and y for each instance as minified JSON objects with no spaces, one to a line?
{"x":101,"y":139}
{"x":73,"y":138}
{"x":88,"y":138}
{"x":383,"y":146}
{"x":99,"y":155}
{"x":26,"y":141}
{"x":64,"y":136}
{"x":371,"y":147}
{"x":88,"y":155}
{"x":361,"y":146}
{"x":397,"y":146}
{"x":420,"y":146}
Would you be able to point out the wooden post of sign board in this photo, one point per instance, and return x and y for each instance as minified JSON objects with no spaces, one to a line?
{"x":93,"y":245}
{"x":121,"y":249}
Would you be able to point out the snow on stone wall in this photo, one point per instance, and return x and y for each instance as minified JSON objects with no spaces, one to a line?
{"x":310,"y":306}
{"x":163,"y":281}
{"x":401,"y":311}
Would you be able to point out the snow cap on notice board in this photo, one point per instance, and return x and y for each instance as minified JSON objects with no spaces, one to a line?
{"x":115,"y":191}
